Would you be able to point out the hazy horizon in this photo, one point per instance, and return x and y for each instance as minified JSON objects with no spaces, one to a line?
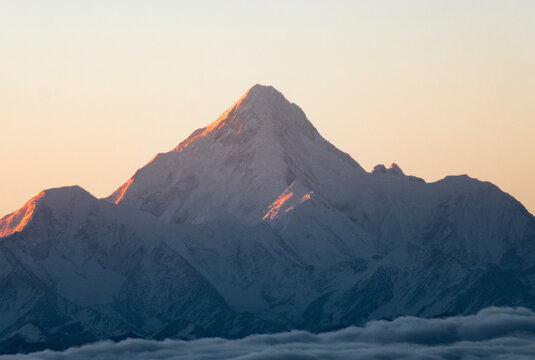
{"x":91,"y":92}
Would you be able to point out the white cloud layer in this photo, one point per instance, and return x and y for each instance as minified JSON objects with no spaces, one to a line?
{"x":493,"y":333}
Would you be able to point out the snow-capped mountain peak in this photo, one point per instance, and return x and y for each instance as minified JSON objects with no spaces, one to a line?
{"x":239,"y":164}
{"x":50,"y":198}
{"x":261,"y":112}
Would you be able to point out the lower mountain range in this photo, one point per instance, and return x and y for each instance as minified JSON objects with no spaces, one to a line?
{"x":257,"y":224}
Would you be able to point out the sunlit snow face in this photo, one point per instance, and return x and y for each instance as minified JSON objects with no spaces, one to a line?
{"x":493,"y":333}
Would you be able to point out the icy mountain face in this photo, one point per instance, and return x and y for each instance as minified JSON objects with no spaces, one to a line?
{"x":239,"y":165}
{"x":69,"y":199}
{"x":257,"y":224}
{"x":84,"y":269}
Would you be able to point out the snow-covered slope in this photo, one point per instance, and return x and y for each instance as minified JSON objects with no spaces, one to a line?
{"x":238,"y":165}
{"x":257,"y":224}
{"x":83,"y":269}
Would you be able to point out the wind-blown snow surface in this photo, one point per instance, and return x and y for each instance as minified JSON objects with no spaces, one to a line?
{"x":493,"y":333}
{"x":256,"y":224}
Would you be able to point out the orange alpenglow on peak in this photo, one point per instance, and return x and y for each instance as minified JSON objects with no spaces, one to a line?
{"x":119,"y":193}
{"x":257,"y":102}
{"x":51,"y":198}
{"x":277,"y":205}
{"x":17,"y":220}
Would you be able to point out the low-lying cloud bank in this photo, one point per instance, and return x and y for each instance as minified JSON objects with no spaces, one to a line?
{"x":493,"y":333}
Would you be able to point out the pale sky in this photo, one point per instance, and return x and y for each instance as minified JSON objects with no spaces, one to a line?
{"x":90,"y":91}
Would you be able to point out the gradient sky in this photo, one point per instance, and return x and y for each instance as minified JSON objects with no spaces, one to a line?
{"x":90,"y":91}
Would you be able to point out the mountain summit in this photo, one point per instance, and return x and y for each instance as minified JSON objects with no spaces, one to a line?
{"x":238,"y":165}
{"x":261,"y":109}
{"x":42,"y":203}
